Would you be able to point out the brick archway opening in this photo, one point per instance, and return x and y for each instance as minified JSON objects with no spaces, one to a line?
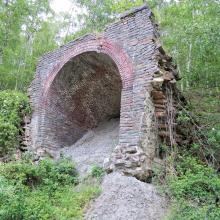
{"x":84,"y":92}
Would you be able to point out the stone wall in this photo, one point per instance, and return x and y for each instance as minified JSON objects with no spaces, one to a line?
{"x":122,"y":71}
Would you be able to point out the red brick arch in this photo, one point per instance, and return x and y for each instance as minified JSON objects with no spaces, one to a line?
{"x":100,"y":45}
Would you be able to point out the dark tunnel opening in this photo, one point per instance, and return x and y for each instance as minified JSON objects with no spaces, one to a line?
{"x":85,"y":92}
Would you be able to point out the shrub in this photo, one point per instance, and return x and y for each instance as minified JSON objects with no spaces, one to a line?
{"x":46,"y":172}
{"x":8,"y":137}
{"x":196,"y":190}
{"x":13,"y":107}
{"x":97,"y":171}
{"x":189,"y":211}
{"x":42,"y":191}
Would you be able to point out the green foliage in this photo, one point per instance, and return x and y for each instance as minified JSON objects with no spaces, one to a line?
{"x":47,"y":172}
{"x":191,"y":34}
{"x":123,"y":5}
{"x":97,"y":171}
{"x":42,"y":191}
{"x":187,"y":211}
{"x":195,"y":189}
{"x":205,"y":107}
{"x":183,"y":117}
{"x":8,"y":137}
{"x":99,"y":13}
{"x":24,"y":36}
{"x":13,"y":107}
{"x":195,"y":181}
{"x":213,"y":141}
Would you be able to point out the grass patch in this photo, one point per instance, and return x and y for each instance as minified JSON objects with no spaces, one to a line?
{"x":97,"y":171}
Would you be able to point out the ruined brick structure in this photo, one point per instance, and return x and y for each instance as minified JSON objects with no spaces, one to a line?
{"x":123,"y":71}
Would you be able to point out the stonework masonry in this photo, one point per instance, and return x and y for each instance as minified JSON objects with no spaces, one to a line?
{"x":123,"y":71}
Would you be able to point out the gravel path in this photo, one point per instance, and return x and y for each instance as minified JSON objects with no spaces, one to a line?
{"x":122,"y":198}
{"x":94,"y":146}
{"x":126,"y":198}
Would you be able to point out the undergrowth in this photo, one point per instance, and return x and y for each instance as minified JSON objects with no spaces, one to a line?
{"x":205,"y":106}
{"x":194,"y":190}
{"x":35,"y":190}
{"x":97,"y":171}
{"x":13,"y":107}
{"x":190,"y":176}
{"x":46,"y":190}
